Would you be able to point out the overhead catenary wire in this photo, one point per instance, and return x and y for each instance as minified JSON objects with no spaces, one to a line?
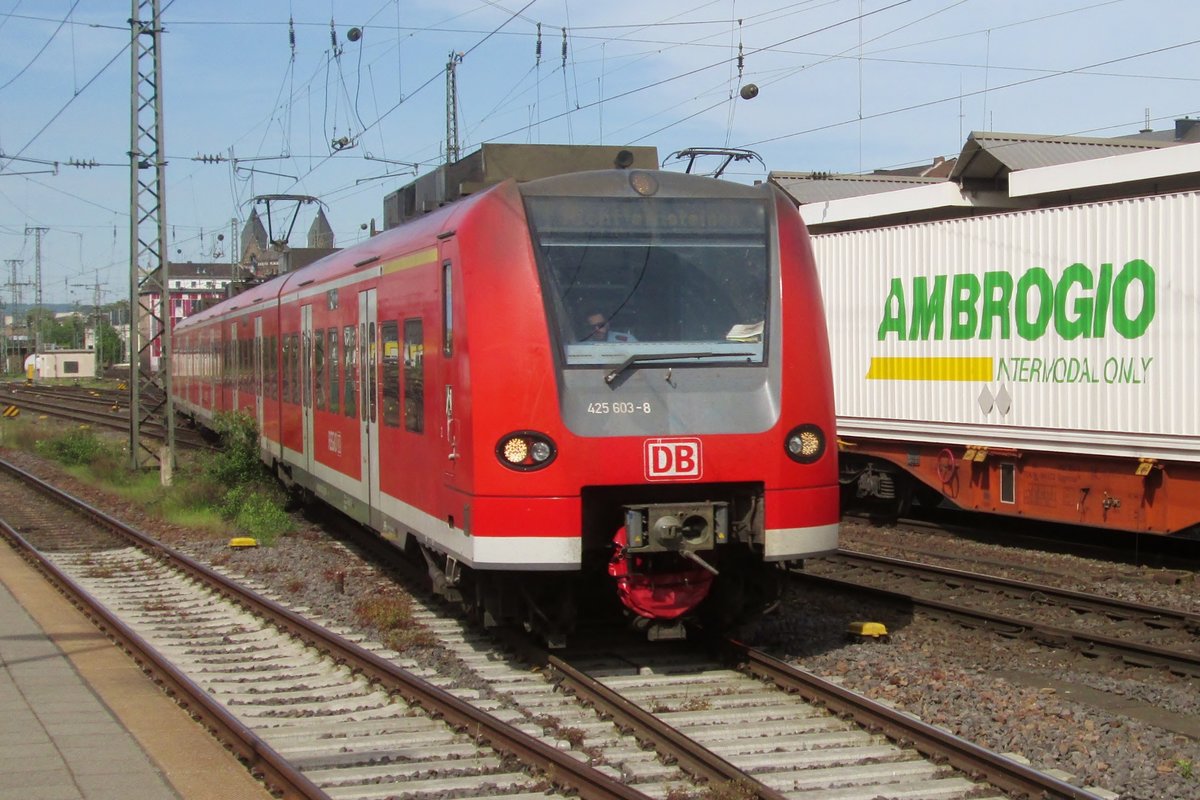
{"x":42,"y":49}
{"x":592,"y":42}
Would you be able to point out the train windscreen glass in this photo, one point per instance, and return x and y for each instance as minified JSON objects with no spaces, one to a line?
{"x":655,"y":278}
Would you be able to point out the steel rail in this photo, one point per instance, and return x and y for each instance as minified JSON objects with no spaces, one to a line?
{"x":693,"y":757}
{"x":560,"y":767}
{"x":44,"y":405}
{"x":1156,"y":616}
{"x":1133,"y":653}
{"x":933,"y":742}
{"x":262,"y":760}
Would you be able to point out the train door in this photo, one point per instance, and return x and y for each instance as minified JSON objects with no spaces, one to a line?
{"x":232,"y":367}
{"x":306,"y":383}
{"x":368,"y":364}
{"x":258,"y":375}
{"x":210,"y":370}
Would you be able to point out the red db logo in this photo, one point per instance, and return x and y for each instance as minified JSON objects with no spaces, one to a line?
{"x":672,"y":459}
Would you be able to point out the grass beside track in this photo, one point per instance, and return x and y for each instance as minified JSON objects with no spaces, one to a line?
{"x":226,"y":492}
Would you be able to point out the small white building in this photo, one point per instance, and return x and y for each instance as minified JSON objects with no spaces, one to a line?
{"x":61,"y":364}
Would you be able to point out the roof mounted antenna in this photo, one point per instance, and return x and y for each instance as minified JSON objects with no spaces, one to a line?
{"x":298,"y":199}
{"x":728,"y":154}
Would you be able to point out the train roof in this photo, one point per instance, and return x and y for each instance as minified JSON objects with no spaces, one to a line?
{"x":426,"y":228}
{"x":339,"y":263}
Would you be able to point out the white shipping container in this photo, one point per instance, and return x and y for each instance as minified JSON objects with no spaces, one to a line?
{"x":1073,"y":329}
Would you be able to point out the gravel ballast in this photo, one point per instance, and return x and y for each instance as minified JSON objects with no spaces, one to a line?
{"x":1129,"y":731}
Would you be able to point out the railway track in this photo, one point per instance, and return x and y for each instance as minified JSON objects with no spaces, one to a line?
{"x":743,"y":718}
{"x":314,"y":713}
{"x":318,"y":710}
{"x":103,"y":409}
{"x":1092,"y":624}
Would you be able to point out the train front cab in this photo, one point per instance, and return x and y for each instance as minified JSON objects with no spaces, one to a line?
{"x":671,"y":451}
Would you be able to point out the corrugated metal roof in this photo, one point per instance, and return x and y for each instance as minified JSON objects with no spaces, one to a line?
{"x":987,"y":155}
{"x":819,"y":187}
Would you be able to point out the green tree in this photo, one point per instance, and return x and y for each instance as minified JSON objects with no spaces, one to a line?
{"x":110,"y":349}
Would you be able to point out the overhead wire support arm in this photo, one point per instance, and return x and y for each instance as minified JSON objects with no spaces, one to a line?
{"x":43,"y":162}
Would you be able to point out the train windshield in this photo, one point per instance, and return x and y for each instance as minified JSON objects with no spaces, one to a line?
{"x":665,"y":279}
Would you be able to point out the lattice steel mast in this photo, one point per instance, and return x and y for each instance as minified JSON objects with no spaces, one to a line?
{"x":150,"y":323}
{"x":452,"y":147}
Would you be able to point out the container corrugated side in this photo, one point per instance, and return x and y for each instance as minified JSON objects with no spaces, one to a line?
{"x":1125,"y":384}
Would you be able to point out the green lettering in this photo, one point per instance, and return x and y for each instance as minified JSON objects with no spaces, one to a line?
{"x":964,"y":317}
{"x":996,"y":306}
{"x":927,"y":308}
{"x":1136,"y":270}
{"x":893,"y":312}
{"x":1079,"y":275}
{"x":1035,"y":278}
{"x":1103,"y":297}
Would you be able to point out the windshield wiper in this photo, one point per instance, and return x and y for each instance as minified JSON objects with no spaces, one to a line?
{"x":638,"y":358}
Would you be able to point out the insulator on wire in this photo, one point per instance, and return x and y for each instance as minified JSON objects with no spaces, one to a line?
{"x":538,"y":49}
{"x":741,"y":55}
{"x":564,"y":49}
{"x":333,"y":35}
{"x":292,"y":34}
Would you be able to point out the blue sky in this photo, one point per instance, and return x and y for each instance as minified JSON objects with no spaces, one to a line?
{"x":844,"y":86}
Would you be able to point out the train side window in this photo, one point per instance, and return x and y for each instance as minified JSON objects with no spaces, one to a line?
{"x":292,"y":353}
{"x":332,"y":357}
{"x":348,"y":347}
{"x":297,"y":370}
{"x":268,"y":366}
{"x":319,"y":368}
{"x":447,"y":310}
{"x":244,"y":362}
{"x":286,"y":367}
{"x":389,"y":341}
{"x":1008,"y":483}
{"x":273,"y":382}
{"x":414,"y":383}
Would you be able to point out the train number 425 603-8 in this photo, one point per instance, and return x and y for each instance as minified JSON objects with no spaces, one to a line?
{"x":620,"y":407}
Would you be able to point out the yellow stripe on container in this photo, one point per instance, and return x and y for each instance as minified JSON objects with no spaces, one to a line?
{"x":930,"y":369}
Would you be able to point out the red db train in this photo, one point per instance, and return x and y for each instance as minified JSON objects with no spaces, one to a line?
{"x":553,"y":385}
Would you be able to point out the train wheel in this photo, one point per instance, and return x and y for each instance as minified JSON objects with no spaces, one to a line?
{"x":473,"y":599}
{"x":745,"y":589}
{"x":550,"y":610}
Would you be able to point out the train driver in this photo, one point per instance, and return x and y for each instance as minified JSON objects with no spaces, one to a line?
{"x":600,"y":331}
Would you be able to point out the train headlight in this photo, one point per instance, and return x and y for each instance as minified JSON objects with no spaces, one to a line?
{"x":540,"y":451}
{"x":525,"y":450}
{"x":516,"y":451}
{"x":805,"y":444}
